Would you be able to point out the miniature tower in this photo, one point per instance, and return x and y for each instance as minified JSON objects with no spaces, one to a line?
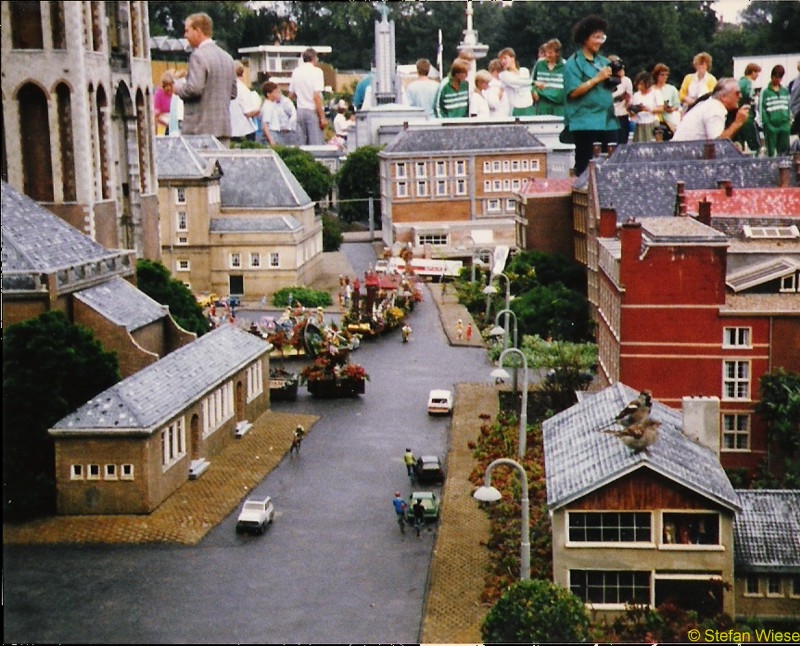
{"x":386,"y":86}
{"x":470,"y":42}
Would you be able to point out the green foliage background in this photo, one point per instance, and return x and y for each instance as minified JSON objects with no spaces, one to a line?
{"x":358,"y":179}
{"x":154,"y":279}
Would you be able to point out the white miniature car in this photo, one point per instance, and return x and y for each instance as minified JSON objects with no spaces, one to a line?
{"x":256,"y":514}
{"x":440,"y":402}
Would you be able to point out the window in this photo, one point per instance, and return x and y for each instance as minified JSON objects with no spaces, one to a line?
{"x":487,"y":186}
{"x":487,"y":167}
{"x":794,"y":583}
{"x":182,"y":224}
{"x":534,"y":164}
{"x":511,"y":204}
{"x":506,"y":166}
{"x":610,"y":587}
{"x":515,"y":184}
{"x":255,"y":260}
{"x":506,"y":184}
{"x":182,"y":240}
{"x":690,"y":528}
{"x":496,"y":166}
{"x":173,"y":443}
{"x":736,"y":337}
{"x":524,"y":164}
{"x":422,"y":189}
{"x":609,"y":527}
{"x":110,"y":472}
{"x":735,"y":432}
{"x":441,"y":169}
{"x":255,"y":381}
{"x":76,"y":472}
{"x":402,"y":189}
{"x":400,"y":170}
{"x":274,"y":260}
{"x":236,"y":260}
{"x":736,"y":379}
{"x":492,"y":206}
{"x":461,"y":167}
{"x":774,"y":588}
{"x":751,"y":585}
{"x":420,"y":169}
{"x":461,"y":187}
{"x":497,"y":185}
{"x":441,"y":187}
{"x":126,"y":472}
{"x":93,"y":472}
{"x":789,"y":283}
{"x":437,"y":239}
{"x":180,"y":195}
{"x":515,"y":165}
{"x":217,"y":408}
{"x":183,"y":265}
{"x":771,"y":232}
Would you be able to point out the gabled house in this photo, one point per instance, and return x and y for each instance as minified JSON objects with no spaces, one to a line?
{"x":133,"y":445}
{"x":644,"y":527}
{"x":449,"y":188}
{"x":50,"y":265}
{"x":234,"y":221}
{"x":767,"y":554}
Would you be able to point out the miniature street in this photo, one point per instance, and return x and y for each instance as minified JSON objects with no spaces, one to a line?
{"x":332,"y":567}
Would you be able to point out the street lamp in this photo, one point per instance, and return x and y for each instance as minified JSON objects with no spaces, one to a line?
{"x":472,"y":252}
{"x":488,"y":493}
{"x":491,"y":289}
{"x":498,"y":331}
{"x":502,"y":373}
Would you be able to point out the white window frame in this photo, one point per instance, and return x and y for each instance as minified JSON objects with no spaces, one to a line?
{"x":184,"y":265}
{"x":497,"y":185}
{"x":401,"y":189}
{"x":692,"y":547}
{"x":126,"y":471}
{"x":506,"y":166}
{"x":76,"y":472}
{"x":110,"y":472}
{"x":515,"y":165}
{"x":182,"y":241}
{"x":461,"y":187}
{"x":615,"y":605}
{"x":789,"y":283}
{"x":461,"y":167}
{"x":740,"y":384}
{"x":496,"y":166}
{"x":516,"y":184}
{"x":181,"y":221}
{"x":420,"y":169}
{"x":441,"y":187}
{"x":93,"y":472}
{"x":440,"y":168}
{"x":735,"y":425}
{"x":487,"y":167}
{"x":511,"y":204}
{"x":432,"y":239}
{"x":487,"y":186}
{"x":400,"y":170}
{"x":173,"y":443}
{"x":771,"y":579}
{"x":737,"y":337}
{"x":255,"y":380}
{"x":255,"y":260}
{"x":422,"y":188}
{"x":523,"y":164}
{"x":534,"y":165}
{"x":180,"y":195}
{"x":604,"y":521}
{"x":748,"y":579}
{"x":274,"y":260}
{"x":493,"y":205}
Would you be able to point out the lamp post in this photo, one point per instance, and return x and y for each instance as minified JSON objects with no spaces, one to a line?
{"x":501,"y":373}
{"x":488,"y":493}
{"x":472,"y":252}
{"x":491,"y":289}
{"x":498,"y":331}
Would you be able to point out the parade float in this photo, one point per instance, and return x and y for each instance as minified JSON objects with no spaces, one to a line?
{"x":332,"y":375}
{"x":381,"y":304}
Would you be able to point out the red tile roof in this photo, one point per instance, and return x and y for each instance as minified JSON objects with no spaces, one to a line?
{"x":538,"y":187}
{"x":775,"y":202}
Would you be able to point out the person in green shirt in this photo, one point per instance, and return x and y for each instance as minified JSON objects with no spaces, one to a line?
{"x":453,"y":99}
{"x":748,"y":134}
{"x":548,"y":80}
{"x":775,"y":115}
{"x":589,"y":110}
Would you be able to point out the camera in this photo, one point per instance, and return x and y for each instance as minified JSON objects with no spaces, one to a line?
{"x":635,"y":109}
{"x":612,"y":82}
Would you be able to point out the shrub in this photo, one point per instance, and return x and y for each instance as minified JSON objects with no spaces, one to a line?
{"x":301,"y":296}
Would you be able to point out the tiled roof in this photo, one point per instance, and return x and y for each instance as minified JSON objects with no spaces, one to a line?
{"x":234,"y":224}
{"x":121,"y":303}
{"x":176,"y":158}
{"x":157,"y":393}
{"x":678,"y":230}
{"x":257,"y":179}
{"x":770,"y":202}
{"x":462,"y":139}
{"x":539,"y":187}
{"x":580,"y":458}
{"x":762,"y":272}
{"x":34,"y":239}
{"x":761,"y":304}
{"x":766,"y":533}
{"x":649,"y":189}
{"x":637,"y":153}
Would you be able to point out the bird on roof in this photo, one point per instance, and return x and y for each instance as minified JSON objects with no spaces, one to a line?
{"x":636,"y":411}
{"x":638,"y":436}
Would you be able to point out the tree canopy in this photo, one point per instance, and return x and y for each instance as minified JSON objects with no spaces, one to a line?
{"x":358,"y":180}
{"x":154,"y":279}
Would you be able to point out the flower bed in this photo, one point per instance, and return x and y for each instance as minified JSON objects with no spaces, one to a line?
{"x":331,"y":375}
{"x":283,"y":385}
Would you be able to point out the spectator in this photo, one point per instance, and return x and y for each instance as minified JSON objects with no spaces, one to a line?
{"x":748,"y":134}
{"x":794,"y":102}
{"x":162,"y":103}
{"x":699,"y":83}
{"x":360,"y":93}
{"x":342,"y":122}
{"x":453,"y":99}
{"x":496,"y":95}
{"x":706,"y":118}
{"x":306,"y":87}
{"x":645,"y":105}
{"x":622,"y":99}
{"x":590,"y":105}
{"x":671,"y":116}
{"x":548,"y":80}
{"x":775,"y":116}
{"x":270,"y":117}
{"x":422,"y":91}
{"x":288,"y":117}
{"x":479,"y":106}
{"x":210,"y":83}
{"x":243,"y":109}
{"x":517,"y":84}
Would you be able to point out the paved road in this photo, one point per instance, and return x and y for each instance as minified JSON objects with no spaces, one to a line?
{"x":333,"y":568}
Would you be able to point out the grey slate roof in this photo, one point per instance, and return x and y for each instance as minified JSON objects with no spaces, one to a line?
{"x":34,"y":239}
{"x":233,"y":224}
{"x":152,"y":396}
{"x":637,"y":153}
{"x":257,"y":179}
{"x":176,"y":158}
{"x":649,"y":189}
{"x":122,"y":303}
{"x":461,"y":139}
{"x":766,"y":533}
{"x":580,"y":458}
{"x":680,"y":231}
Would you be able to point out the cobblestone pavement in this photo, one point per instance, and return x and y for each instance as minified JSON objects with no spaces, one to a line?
{"x":453,"y":611}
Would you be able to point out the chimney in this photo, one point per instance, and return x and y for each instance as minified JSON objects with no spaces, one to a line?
{"x":784,"y":168}
{"x":709,"y":150}
{"x":704,"y":212}
{"x":611,"y":147}
{"x":597,"y":148}
{"x":680,"y":199}
{"x":701,"y":421}
{"x":608,"y":222}
{"x":405,"y":125}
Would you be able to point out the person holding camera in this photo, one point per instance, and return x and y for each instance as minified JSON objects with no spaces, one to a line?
{"x":671,"y":116}
{"x":588,"y":84}
{"x":706,"y":118}
{"x":645,"y":107}
{"x":622,"y":98}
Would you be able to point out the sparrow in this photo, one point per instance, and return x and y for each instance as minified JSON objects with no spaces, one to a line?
{"x":638,"y":436}
{"x":636,"y":411}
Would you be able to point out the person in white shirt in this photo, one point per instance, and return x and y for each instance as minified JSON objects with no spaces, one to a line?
{"x":645,"y":104}
{"x":517,"y":83}
{"x":622,"y":98}
{"x":306,"y":87}
{"x":341,"y":123}
{"x":478,"y":105}
{"x":270,"y":117}
{"x":706,"y":119}
{"x":422,"y":91}
{"x":243,"y":108}
{"x":495,"y":94}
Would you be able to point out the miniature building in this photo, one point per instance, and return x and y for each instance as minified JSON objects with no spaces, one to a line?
{"x":130,"y":447}
{"x":277,"y":62}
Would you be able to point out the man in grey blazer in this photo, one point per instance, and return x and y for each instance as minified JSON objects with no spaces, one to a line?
{"x":210,"y":84}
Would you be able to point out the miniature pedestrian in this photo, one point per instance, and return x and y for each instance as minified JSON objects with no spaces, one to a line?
{"x":409,"y":459}
{"x":459,"y":329}
{"x":419,"y":515}
{"x":469,"y":331}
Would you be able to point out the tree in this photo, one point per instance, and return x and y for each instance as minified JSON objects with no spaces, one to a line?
{"x":780,"y":408}
{"x":553,"y":311}
{"x":358,"y":179}
{"x":314,"y":177}
{"x":167,"y":18}
{"x":536,"y":611}
{"x":154,"y":279}
{"x":332,"y":237}
{"x":50,"y":368}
